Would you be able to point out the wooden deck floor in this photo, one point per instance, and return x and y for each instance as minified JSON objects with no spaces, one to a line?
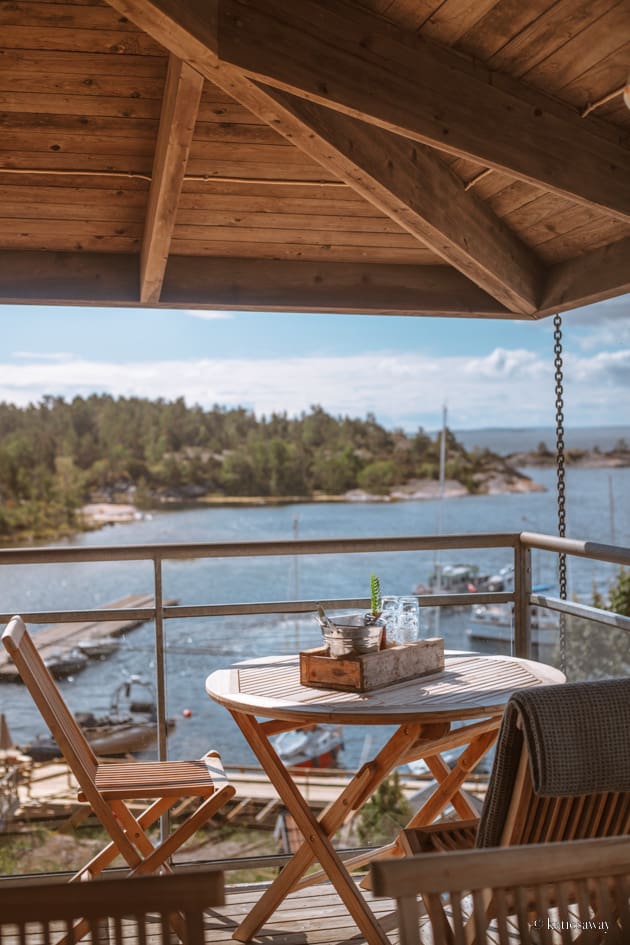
{"x":313,"y":915}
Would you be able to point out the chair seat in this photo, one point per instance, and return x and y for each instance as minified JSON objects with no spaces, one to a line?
{"x":154,"y":779}
{"x":441,"y":837}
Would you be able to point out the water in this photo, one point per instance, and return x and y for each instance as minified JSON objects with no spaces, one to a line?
{"x":505,"y":440}
{"x":197,"y":647}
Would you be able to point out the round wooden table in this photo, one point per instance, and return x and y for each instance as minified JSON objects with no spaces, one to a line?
{"x":472,"y":689}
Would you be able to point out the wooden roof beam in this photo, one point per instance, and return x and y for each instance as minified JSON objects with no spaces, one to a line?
{"x":180,"y":105}
{"x":601,"y":274}
{"x":356,"y":63}
{"x":415,"y":188}
{"x":250,"y":284}
{"x":409,"y":183}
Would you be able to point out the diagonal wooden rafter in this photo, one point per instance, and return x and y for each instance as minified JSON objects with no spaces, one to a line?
{"x":351,"y":60}
{"x":406,"y":181}
{"x":180,"y":105}
{"x":413,"y":186}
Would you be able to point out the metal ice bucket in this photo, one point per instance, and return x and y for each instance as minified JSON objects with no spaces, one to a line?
{"x":352,"y":634}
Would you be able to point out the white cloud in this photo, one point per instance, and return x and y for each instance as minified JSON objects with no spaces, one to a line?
{"x":602,"y":325}
{"x":504,"y":388}
{"x":502,"y":364}
{"x":608,"y":310}
{"x":605,"y":368}
{"x":42,"y":355}
{"x":207,"y":315}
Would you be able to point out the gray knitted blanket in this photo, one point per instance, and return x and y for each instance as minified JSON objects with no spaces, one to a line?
{"x":578,"y":740}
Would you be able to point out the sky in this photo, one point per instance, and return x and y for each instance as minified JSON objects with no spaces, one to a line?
{"x":488,"y":373}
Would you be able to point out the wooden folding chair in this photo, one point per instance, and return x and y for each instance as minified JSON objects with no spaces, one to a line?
{"x":561,"y":772}
{"x":118,"y":911}
{"x":576,"y":892}
{"x":107,"y":787}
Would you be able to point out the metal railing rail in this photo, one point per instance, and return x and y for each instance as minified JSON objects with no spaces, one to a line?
{"x":613,"y":554}
{"x":606,"y":618}
{"x":56,"y":554}
{"x":172,"y":611}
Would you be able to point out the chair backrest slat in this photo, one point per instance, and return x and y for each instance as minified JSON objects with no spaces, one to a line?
{"x":562,"y":766}
{"x":37,"y":678}
{"x":534,"y":819}
{"x":545,"y":881}
{"x":123,"y":903}
{"x":622,"y":889}
{"x":62,"y":724}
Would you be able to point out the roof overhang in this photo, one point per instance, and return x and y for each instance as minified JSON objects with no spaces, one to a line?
{"x":360,"y":156}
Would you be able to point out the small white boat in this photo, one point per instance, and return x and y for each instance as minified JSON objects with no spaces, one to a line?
{"x":62,"y":664}
{"x":502,"y":581}
{"x":314,"y":746}
{"x":466,"y":579}
{"x":494,"y":623}
{"x":97,"y":648}
{"x":451,"y":579}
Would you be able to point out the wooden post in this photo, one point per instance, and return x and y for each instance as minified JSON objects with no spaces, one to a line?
{"x":522,"y":592}
{"x":6,"y":741}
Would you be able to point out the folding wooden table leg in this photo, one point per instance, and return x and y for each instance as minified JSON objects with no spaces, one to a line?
{"x":440,"y":771}
{"x":450,"y":785}
{"x":316,"y":833}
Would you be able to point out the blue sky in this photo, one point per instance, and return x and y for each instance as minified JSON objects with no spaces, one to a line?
{"x":489,"y":373}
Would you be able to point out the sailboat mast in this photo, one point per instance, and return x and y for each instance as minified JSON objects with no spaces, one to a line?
{"x":442,"y":468}
{"x":611,"y":509}
{"x":437,"y":569}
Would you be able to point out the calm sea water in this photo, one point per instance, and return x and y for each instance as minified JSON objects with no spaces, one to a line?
{"x":598,"y":509}
{"x":505,"y":440}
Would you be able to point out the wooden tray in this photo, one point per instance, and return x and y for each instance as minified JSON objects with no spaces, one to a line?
{"x":393,"y":664}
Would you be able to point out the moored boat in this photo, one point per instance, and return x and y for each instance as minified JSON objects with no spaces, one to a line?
{"x":494,"y":623}
{"x":98,"y":647}
{"x":61,"y":664}
{"x":108,"y":736}
{"x":122,"y":731}
{"x":315,"y":746}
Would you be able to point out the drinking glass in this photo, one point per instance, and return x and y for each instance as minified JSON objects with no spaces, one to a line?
{"x":390,"y":609}
{"x":408,"y":620}
{"x":402,"y":619}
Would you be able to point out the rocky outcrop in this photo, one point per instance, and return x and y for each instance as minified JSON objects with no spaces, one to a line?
{"x":496,"y":480}
{"x":429,"y":489}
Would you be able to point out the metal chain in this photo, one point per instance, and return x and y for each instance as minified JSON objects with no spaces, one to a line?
{"x":560,"y":480}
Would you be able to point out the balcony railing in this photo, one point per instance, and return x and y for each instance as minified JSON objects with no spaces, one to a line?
{"x":520,"y":546}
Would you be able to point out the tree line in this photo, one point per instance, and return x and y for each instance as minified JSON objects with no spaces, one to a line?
{"x":58,"y":454}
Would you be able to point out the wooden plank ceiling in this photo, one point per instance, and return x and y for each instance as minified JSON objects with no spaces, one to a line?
{"x":397,"y":156}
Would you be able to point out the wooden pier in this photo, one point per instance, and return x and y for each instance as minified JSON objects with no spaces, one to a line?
{"x":61,"y":638}
{"x":257,"y":803}
{"x":48,"y":792}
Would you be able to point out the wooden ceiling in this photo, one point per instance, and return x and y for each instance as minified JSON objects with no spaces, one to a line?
{"x":463,"y":157}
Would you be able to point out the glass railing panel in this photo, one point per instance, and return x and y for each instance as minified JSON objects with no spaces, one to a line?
{"x":72,"y":585}
{"x":594,"y":651}
{"x":337,"y":575}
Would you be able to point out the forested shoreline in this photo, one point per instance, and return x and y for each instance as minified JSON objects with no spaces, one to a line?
{"x":57,"y":455}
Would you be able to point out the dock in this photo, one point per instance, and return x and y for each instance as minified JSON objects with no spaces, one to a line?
{"x":47,"y":792}
{"x":61,"y":638}
{"x":256,"y":802}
